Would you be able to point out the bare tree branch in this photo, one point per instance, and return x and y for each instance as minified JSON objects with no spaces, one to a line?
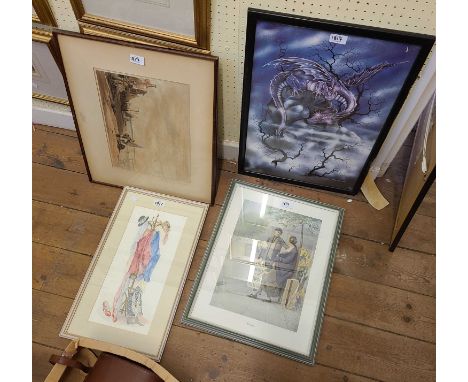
{"x":328,"y":62}
{"x":351,"y":62}
{"x":285,"y":154}
{"x":326,"y":157}
{"x":338,"y":63}
{"x":264,"y":137}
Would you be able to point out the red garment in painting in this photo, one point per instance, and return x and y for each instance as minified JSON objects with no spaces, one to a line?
{"x":140,"y":260}
{"x":142,"y":254}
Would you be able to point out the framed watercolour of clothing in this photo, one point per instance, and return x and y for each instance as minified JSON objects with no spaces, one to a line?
{"x":132,"y":287}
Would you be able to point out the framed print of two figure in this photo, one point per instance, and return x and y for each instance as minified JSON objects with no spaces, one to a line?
{"x":265,"y":274}
{"x":131,"y":290}
{"x":319,"y":97}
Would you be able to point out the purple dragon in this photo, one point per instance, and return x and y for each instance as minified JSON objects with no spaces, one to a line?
{"x":299,"y":75}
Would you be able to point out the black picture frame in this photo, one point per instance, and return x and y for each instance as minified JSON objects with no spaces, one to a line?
{"x":422,"y":194}
{"x":425,"y":43}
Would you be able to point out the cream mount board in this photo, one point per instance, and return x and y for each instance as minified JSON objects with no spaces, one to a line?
{"x":228,"y":23}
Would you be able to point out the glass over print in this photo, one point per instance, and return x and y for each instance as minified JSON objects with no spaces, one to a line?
{"x":268,"y":260}
{"x":265,"y":274}
{"x":132,"y":107}
{"x":149,"y":126}
{"x":175,"y":16}
{"x":131,"y":290}
{"x":319,"y":97}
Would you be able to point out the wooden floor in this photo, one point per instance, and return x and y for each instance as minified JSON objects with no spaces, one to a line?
{"x":380,"y":316}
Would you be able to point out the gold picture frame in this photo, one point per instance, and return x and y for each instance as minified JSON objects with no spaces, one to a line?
{"x":257,"y":288}
{"x":117,"y":29}
{"x":44,"y":14}
{"x":45,"y":37}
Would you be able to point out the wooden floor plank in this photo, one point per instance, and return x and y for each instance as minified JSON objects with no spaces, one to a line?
{"x":71,"y":189}
{"x":40,"y":361}
{"x":358,"y":258}
{"x":382,"y":307}
{"x":374,"y":353}
{"x":420,"y":234}
{"x":49,"y":313}
{"x":63,"y":151}
{"x":60,"y":148}
{"x":337,"y":340}
{"x":80,"y":231}
{"x":57,"y":150}
{"x":55,"y":145}
{"x":404,"y":269}
{"x":64,"y":228}
{"x":343,"y":345}
{"x":216,"y":359}
{"x":361,"y":219}
{"x":58,"y":271}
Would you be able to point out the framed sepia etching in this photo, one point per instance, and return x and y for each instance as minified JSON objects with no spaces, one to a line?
{"x":175,"y":23}
{"x":145,"y":115}
{"x":320,"y":96}
{"x":131,"y":290}
{"x":265,"y":274}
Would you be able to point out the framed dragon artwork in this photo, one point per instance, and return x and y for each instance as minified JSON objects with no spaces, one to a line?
{"x":319,"y":97}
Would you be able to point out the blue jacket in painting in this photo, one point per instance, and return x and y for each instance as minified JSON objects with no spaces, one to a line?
{"x":155,"y":254}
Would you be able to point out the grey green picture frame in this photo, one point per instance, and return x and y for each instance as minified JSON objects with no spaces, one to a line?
{"x":235,"y":336}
